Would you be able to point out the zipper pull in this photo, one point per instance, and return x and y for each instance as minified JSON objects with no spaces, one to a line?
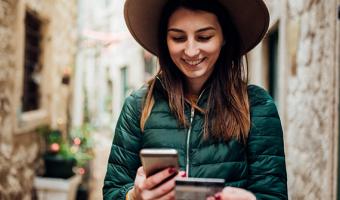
{"x":192,"y":114}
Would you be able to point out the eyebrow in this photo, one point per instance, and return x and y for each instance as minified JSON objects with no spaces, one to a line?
{"x":198,"y":31}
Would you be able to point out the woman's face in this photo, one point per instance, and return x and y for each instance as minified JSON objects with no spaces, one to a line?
{"x":194,"y":41}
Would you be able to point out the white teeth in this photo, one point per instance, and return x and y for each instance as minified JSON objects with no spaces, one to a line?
{"x":195,"y":62}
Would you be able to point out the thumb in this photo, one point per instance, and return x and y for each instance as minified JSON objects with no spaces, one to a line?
{"x":140,"y":171}
{"x":230,"y":189}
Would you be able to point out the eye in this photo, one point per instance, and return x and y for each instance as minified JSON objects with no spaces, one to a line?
{"x":178,"y":38}
{"x":204,"y":38}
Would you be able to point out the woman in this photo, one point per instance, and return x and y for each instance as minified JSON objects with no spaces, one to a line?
{"x":199,"y":103}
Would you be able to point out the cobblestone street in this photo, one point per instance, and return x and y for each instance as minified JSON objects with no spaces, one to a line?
{"x":103,"y":141}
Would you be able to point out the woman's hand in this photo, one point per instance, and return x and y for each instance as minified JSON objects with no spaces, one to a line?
{"x":233,"y":193}
{"x":145,"y":188}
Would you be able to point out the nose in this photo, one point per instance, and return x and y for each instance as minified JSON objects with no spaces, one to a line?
{"x":191,"y":49}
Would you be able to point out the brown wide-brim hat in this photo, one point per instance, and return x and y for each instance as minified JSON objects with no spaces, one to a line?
{"x":250,"y":17}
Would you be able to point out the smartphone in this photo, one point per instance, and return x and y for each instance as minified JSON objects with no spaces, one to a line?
{"x":155,"y":160}
{"x":197,"y":188}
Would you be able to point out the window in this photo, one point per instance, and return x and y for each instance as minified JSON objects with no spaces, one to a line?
{"x":32,"y":67}
{"x":150,"y":64}
{"x":108,"y":97}
{"x":273,"y":43}
{"x":107,"y":3}
{"x":124,"y":82}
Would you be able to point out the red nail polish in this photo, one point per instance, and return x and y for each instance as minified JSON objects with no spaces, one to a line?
{"x":172,"y":170}
{"x":218,"y":197}
{"x":184,"y":174}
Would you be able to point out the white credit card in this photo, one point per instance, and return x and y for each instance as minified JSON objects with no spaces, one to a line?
{"x":197,"y":188}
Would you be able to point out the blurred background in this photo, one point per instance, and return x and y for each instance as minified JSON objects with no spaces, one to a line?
{"x":67,"y":65}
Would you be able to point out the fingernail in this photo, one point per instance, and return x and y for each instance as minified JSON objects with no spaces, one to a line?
{"x":218,"y":197}
{"x":184,"y":174}
{"x":172,"y":170}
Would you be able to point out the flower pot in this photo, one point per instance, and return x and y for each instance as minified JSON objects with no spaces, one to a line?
{"x":58,"y":167}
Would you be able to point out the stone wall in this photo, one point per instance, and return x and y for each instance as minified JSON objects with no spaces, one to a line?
{"x":309,"y":34}
{"x":19,"y":144}
{"x":9,"y":183}
{"x":312,"y":105}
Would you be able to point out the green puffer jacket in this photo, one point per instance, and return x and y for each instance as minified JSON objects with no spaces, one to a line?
{"x":259,"y":167}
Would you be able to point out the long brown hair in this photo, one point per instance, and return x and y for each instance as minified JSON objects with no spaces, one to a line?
{"x":227,"y":111}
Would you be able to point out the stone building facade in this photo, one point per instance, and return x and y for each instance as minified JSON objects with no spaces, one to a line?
{"x":107,"y":56}
{"x":109,"y":65}
{"x":307,"y":92}
{"x":19,"y":146}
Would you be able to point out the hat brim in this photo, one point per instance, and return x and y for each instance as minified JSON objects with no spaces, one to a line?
{"x":250,"y":17}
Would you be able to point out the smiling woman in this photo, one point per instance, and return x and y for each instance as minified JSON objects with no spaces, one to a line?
{"x":194,"y":47}
{"x":199,"y":103}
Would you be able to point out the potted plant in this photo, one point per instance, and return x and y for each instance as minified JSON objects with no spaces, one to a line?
{"x":65,"y":156}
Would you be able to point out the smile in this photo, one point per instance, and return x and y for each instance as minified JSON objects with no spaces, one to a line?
{"x":194,"y":62}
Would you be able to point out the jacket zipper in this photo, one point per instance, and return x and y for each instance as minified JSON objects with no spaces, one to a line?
{"x":188,"y":139}
{"x":192,"y":114}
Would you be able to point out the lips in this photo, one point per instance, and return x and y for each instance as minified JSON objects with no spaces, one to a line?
{"x":193,"y":62}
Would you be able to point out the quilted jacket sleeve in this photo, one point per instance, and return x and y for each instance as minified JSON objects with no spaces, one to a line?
{"x":124,"y":157}
{"x":267,"y":168}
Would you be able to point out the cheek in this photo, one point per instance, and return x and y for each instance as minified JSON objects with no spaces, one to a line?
{"x":213,"y":48}
{"x":213,"y":53}
{"x":174,"y":49}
